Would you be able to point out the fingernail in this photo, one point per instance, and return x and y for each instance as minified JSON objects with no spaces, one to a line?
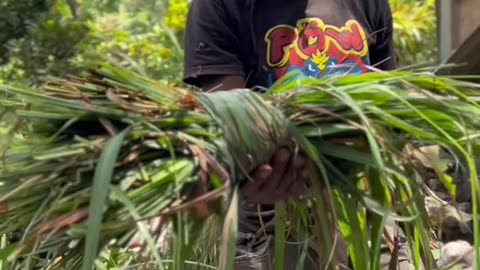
{"x":299,"y":161}
{"x":284,"y":155}
{"x":305,"y":174}
{"x":266,"y":171}
{"x":297,"y":189}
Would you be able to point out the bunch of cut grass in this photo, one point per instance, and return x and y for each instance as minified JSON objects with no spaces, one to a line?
{"x":110,"y":150}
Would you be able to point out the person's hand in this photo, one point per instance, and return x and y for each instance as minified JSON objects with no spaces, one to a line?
{"x":286,"y":176}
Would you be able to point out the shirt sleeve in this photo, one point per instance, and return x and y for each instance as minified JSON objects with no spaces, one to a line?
{"x":211,"y":42}
{"x":382,"y":54}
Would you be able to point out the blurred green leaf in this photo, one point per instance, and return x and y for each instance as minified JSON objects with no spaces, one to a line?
{"x":101,"y":183}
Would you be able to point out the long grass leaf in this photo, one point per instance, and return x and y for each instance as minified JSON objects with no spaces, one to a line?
{"x":123,"y":198}
{"x":280,"y":240}
{"x":101,"y":183}
{"x":229,"y":235}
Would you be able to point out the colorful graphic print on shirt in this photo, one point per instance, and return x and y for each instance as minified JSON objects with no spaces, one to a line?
{"x":316,"y":49}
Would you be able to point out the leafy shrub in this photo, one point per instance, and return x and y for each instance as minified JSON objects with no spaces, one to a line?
{"x":59,"y":36}
{"x":415,"y":31}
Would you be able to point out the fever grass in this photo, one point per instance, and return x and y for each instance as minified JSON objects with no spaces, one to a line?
{"x":104,"y":152}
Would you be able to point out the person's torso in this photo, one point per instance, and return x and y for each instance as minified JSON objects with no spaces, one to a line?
{"x":311,"y":37}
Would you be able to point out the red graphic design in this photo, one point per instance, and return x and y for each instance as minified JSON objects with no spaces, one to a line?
{"x":315,"y":43}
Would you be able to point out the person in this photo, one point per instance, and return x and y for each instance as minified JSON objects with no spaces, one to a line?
{"x":232,"y":44}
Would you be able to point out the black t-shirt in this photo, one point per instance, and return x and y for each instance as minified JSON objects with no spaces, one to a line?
{"x":262,"y":40}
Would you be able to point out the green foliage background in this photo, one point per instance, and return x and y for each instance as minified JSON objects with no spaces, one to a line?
{"x":415,"y":28}
{"x":56,"y":37}
{"x":60,"y":37}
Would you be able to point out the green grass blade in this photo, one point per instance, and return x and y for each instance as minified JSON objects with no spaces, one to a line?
{"x":280,"y":226}
{"x":353,"y":229}
{"x":229,"y":235}
{"x":475,"y":190}
{"x":3,"y":261}
{"x":101,"y":183}
{"x":123,"y":198}
{"x":377,"y":221}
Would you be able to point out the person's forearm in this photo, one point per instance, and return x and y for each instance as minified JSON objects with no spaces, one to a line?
{"x":222,"y":83}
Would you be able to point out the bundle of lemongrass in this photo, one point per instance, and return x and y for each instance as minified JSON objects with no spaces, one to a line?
{"x":108,"y":150}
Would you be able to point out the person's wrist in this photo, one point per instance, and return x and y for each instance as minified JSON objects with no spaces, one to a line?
{"x":266,"y":207}
{"x":248,"y":206}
